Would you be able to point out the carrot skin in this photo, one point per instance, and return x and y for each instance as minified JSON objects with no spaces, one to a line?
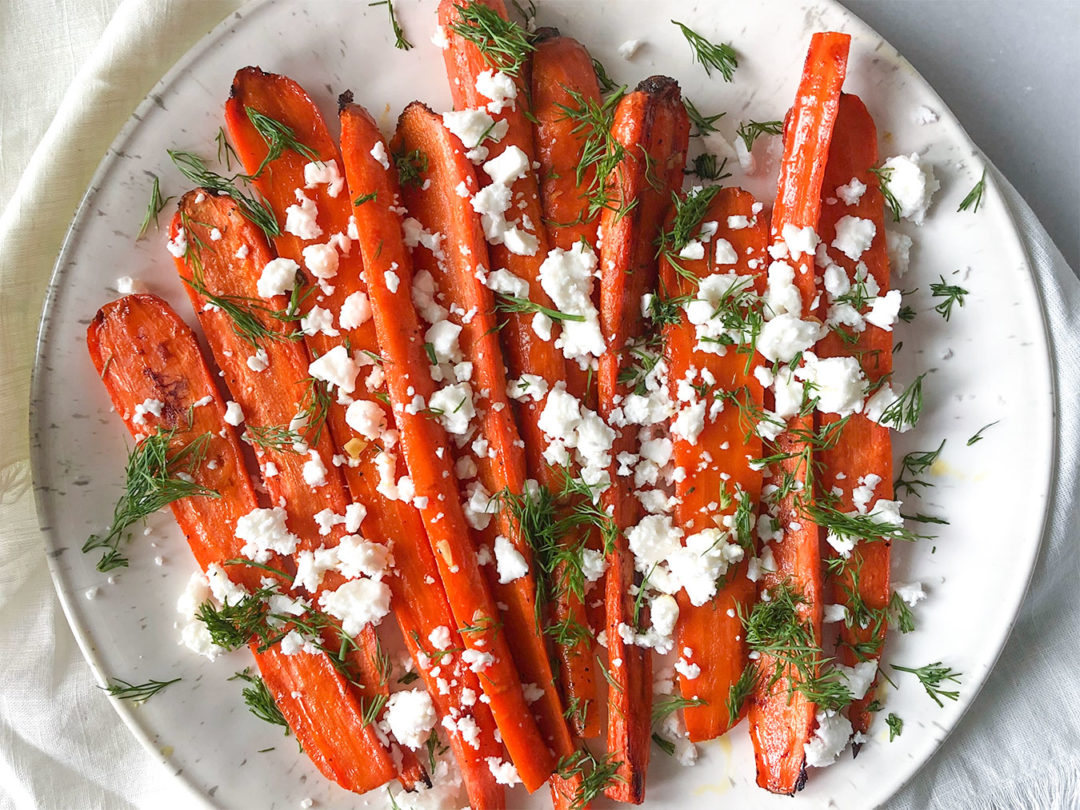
{"x":408,"y":376}
{"x":142,"y":349}
{"x":782,"y":720}
{"x":713,"y":631}
{"x":863,"y":447}
{"x":652,"y":121}
{"x":419,"y":600}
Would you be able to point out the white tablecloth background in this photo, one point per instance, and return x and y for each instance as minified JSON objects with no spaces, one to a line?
{"x":61,"y":744}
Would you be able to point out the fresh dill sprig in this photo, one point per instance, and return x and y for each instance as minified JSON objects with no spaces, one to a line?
{"x":505,"y":44}
{"x":706,"y":167}
{"x":978,"y":437}
{"x":907,"y":407}
{"x":689,"y":212}
{"x":411,"y":167}
{"x":750,"y":131}
{"x":140,"y":693}
{"x":776,"y":628}
{"x":315,"y":407}
{"x":259,"y":701}
{"x":600,"y":150}
{"x":704,"y":124}
{"x":663,"y":705}
{"x":907,"y":315}
{"x":974,"y":197}
{"x":949,"y":294}
{"x":932,"y":677}
{"x":884,"y":175}
{"x":739,"y":691}
{"x":232,"y":625}
{"x":246,"y":314}
{"x":607,"y":84}
{"x":363,"y":198}
{"x":595,"y":775}
{"x":667,"y":746}
{"x":905,"y":622}
{"x":711,"y":56}
{"x":254,"y":209}
{"x":225,"y":152}
{"x":157,"y":203}
{"x":896,"y":726}
{"x":857,"y":526}
{"x":156,"y":475}
{"x":400,"y":42}
{"x":280,"y":438}
{"x":278,"y":137}
{"x":511,"y":303}
{"x":434,"y":748}
{"x":371,"y":708}
{"x":915,"y":464}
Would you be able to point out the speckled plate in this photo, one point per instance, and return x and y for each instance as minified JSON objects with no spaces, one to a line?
{"x":990,"y":363}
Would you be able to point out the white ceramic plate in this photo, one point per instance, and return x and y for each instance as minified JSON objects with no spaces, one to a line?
{"x":989,"y":363}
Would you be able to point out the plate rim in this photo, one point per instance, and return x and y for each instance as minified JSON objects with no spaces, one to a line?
{"x":1048,"y":367}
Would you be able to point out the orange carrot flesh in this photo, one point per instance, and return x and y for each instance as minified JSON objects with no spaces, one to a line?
{"x":562,"y":78}
{"x":782,"y":719}
{"x":419,"y":600}
{"x":143,"y":350}
{"x":650,"y":121}
{"x":525,"y":351}
{"x":389,"y":276}
{"x":269,"y":400}
{"x":712,"y":631}
{"x":439,"y":209}
{"x":862,"y":447}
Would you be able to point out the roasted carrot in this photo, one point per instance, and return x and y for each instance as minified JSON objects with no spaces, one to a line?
{"x":863,"y":448}
{"x":562,"y":79}
{"x":438,"y":208}
{"x":525,"y":351}
{"x":781,"y":718}
{"x":726,"y":485}
{"x":652,"y":127}
{"x":143,"y":350}
{"x":269,"y":400}
{"x":389,"y":276}
{"x":419,"y":600}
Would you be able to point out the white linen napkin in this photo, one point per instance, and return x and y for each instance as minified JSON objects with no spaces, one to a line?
{"x":61,"y":744}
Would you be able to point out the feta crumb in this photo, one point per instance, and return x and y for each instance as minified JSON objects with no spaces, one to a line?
{"x":830,"y":738}
{"x":301,"y":219}
{"x":508,"y":561}
{"x":336,"y":368}
{"x":912,"y":183}
{"x":854,"y":236}
{"x":357,"y":603}
{"x":278,"y":277}
{"x":852,"y":191}
{"x":629,"y":48}
{"x":264,"y":532}
{"x":234,"y":414}
{"x":411,"y":717}
{"x":378,"y":151}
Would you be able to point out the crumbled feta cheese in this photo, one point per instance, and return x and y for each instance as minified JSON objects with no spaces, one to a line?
{"x":839,"y":382}
{"x":324,"y":173}
{"x":785,"y":336}
{"x":321,"y":260}
{"x":725,"y":253}
{"x":378,"y":151}
{"x":508,"y":561}
{"x":259,"y":361}
{"x":318,"y":320}
{"x":264,"y":532}
{"x":471,"y":127}
{"x":234,"y":414}
{"x":782,"y":296}
{"x":511,"y":165}
{"x":454,"y":406}
{"x":126,"y":285}
{"x":852,"y":191}
{"x":439,"y":38}
{"x":800,"y":241}
{"x":367,"y":418}
{"x":924,"y":115}
{"x":411,"y":717}
{"x":830,"y":738}
{"x":355,"y":310}
{"x":314,"y":471}
{"x":177,"y":246}
{"x":336,"y":368}
{"x":858,"y":678}
{"x":835,"y":613}
{"x":629,"y":48}
{"x":911,"y":592}
{"x":392,"y":280}
{"x":278,"y":277}
{"x":567,"y":277}
{"x":147,"y":406}
{"x":357,"y":603}
{"x":504,"y":772}
{"x":854,"y":236}
{"x":912,"y":184}
{"x":499,"y":87}
{"x":301,"y":219}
